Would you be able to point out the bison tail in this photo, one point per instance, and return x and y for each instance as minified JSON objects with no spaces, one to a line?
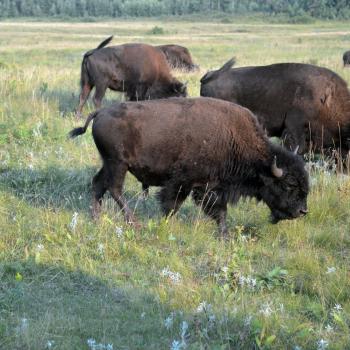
{"x":104,"y":42}
{"x":81,"y":130}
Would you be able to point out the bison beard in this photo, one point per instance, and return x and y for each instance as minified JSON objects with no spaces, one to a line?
{"x":213,"y":148}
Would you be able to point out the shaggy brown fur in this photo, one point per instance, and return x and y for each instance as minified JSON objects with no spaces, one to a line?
{"x":139,"y":70}
{"x":305,"y":105}
{"x":214,"y":148}
{"x":178,"y":57}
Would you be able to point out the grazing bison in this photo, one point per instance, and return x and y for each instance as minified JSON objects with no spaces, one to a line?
{"x":346,"y":58}
{"x":216,"y":149}
{"x":305,"y":105}
{"x":139,"y":70}
{"x":178,"y":57}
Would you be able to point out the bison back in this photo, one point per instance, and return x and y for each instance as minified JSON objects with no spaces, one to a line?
{"x":194,"y":138}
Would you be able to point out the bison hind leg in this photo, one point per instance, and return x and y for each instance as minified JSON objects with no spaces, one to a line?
{"x":171,"y":196}
{"x":99,"y":188}
{"x":116,"y":176}
{"x":84,"y":95}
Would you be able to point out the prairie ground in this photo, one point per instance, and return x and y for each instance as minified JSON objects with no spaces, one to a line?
{"x":67,"y":282}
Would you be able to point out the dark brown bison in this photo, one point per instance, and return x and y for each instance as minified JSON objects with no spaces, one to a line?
{"x":305,"y":105}
{"x":346,"y":58}
{"x":178,"y":57}
{"x":216,"y":149}
{"x":139,"y":70}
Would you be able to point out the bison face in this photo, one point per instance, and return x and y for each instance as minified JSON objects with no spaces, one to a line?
{"x":216,"y":84}
{"x":286,"y":190}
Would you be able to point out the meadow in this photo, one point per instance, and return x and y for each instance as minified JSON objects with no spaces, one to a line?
{"x":67,"y":282}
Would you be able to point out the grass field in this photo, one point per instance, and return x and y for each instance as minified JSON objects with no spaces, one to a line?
{"x":67,"y":282}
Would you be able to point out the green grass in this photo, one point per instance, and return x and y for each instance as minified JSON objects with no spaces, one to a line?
{"x":268,"y":287}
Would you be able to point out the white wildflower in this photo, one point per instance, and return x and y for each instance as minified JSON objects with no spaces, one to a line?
{"x":322,"y":344}
{"x":247,"y":321}
{"x":143,"y":315}
{"x":248,"y":281}
{"x":50,"y":344}
{"x":24,"y":324}
{"x":171,"y":237}
{"x":39,"y":247}
{"x":119,"y":231}
{"x":241,"y":280}
{"x":168,"y":322}
{"x":100,"y":249}
{"x":174,"y":277}
{"x":74,"y":221}
{"x":212,"y":318}
{"x":91,"y":342}
{"x":281,"y":308}
{"x":251,"y":282}
{"x":337,"y":307}
{"x":36,"y":130}
{"x":184,"y":328}
{"x":224,"y":269}
{"x":176,"y":345}
{"x":93,"y":345}
{"x":331,"y":269}
{"x":296,"y":347}
{"x":329,"y":328}
{"x":266,"y":310}
{"x":203,"y":307}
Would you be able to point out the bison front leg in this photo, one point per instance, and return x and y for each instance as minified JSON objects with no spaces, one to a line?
{"x":214,"y":206}
{"x":100,"y":91}
{"x":145,"y":190}
{"x":171,"y":197}
{"x":294,"y":133}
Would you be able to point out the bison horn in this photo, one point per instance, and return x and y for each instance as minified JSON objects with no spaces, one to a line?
{"x":296,"y":150}
{"x":277,"y":172}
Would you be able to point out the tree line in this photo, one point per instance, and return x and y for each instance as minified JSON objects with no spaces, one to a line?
{"x":328,"y":9}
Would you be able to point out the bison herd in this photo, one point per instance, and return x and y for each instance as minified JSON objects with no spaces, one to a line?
{"x":215,"y":147}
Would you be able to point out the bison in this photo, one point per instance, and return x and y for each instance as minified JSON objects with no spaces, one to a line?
{"x":139,"y":70}
{"x":305,"y":105}
{"x":212,"y":148}
{"x":346,"y":58}
{"x":178,"y":57}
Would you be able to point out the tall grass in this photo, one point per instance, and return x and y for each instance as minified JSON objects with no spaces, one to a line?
{"x":67,"y":282}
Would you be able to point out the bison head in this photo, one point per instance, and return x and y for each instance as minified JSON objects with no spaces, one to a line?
{"x":286,"y":188}
{"x":215,"y":84}
{"x":165,"y":90}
